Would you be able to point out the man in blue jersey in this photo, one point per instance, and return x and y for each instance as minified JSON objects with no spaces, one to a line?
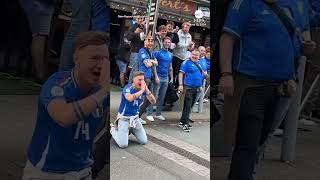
{"x":255,"y":59}
{"x":203,"y":63}
{"x":191,"y":78}
{"x":128,"y":120}
{"x":71,"y":105}
{"x":304,"y":46}
{"x":164,"y":69}
{"x":147,"y":64}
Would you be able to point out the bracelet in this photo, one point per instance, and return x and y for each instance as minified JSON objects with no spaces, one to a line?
{"x":134,"y":96}
{"x":226,"y":74}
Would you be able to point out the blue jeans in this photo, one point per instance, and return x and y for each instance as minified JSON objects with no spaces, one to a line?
{"x":122,"y":66}
{"x":134,"y":63}
{"x":121,"y":134}
{"x":160,"y":91}
{"x":80,"y":22}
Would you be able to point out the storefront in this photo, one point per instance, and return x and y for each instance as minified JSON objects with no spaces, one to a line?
{"x":177,"y":11}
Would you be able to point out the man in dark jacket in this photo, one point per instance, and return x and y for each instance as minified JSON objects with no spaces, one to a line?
{"x":136,"y":36}
{"x":172,"y":33}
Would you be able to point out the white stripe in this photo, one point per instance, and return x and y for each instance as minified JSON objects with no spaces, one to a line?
{"x":42,"y":161}
{"x":231,"y":31}
{"x":240,"y":54}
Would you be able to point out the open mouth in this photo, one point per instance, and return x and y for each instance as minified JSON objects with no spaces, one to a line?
{"x":96,"y":73}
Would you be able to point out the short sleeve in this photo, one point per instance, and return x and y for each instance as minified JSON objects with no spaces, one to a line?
{"x":126,"y":90}
{"x":238,"y":17}
{"x":51,"y":90}
{"x":142,"y":55}
{"x":183,"y":67}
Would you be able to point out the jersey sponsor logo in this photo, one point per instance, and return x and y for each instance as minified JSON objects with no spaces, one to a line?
{"x":56,"y":91}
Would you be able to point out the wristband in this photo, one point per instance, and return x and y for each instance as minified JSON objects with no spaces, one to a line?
{"x":226,"y":74}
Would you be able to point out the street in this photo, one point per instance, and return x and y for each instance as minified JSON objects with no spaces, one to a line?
{"x":170,"y":153}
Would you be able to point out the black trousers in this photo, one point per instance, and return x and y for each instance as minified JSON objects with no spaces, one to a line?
{"x":176,"y":63}
{"x":189,"y":100}
{"x":254,"y":123}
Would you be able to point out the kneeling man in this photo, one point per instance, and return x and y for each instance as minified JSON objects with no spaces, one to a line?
{"x":128,"y":120}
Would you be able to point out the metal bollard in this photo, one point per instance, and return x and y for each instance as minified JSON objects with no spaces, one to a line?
{"x":290,"y":131}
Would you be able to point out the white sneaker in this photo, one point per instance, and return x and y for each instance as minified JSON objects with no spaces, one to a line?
{"x":205,"y":100}
{"x":161,"y":118}
{"x":142,"y":121}
{"x":150,"y":118}
{"x":278,"y":132}
{"x":307,"y":122}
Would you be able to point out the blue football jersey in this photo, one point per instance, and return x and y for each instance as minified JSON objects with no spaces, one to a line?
{"x":54,"y":148}
{"x":127,"y":108}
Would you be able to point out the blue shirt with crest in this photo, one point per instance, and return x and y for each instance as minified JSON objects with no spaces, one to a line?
{"x":126,"y":107}
{"x":192,"y":75}
{"x":143,"y":54}
{"x":164,"y":58}
{"x":58,"y":149}
{"x":263,"y":50}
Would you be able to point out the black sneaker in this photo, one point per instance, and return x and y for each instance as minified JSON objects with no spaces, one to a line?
{"x":191,"y":121}
{"x":186,"y":128}
{"x":190,"y":126}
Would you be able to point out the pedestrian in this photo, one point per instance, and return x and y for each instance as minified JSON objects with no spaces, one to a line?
{"x":71,"y":106}
{"x":80,"y":22}
{"x":39,"y":14}
{"x":203,"y":63}
{"x":158,"y":43}
{"x":164,"y":70}
{"x":172,"y":34}
{"x":191,"y":78}
{"x":303,"y":48}
{"x":122,"y":60}
{"x":128,"y":120}
{"x":179,"y":53}
{"x":136,"y":35}
{"x":147,"y":64}
{"x":252,"y":73}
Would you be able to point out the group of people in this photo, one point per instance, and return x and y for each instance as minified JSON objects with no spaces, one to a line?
{"x":260,"y":50}
{"x":168,"y":58}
